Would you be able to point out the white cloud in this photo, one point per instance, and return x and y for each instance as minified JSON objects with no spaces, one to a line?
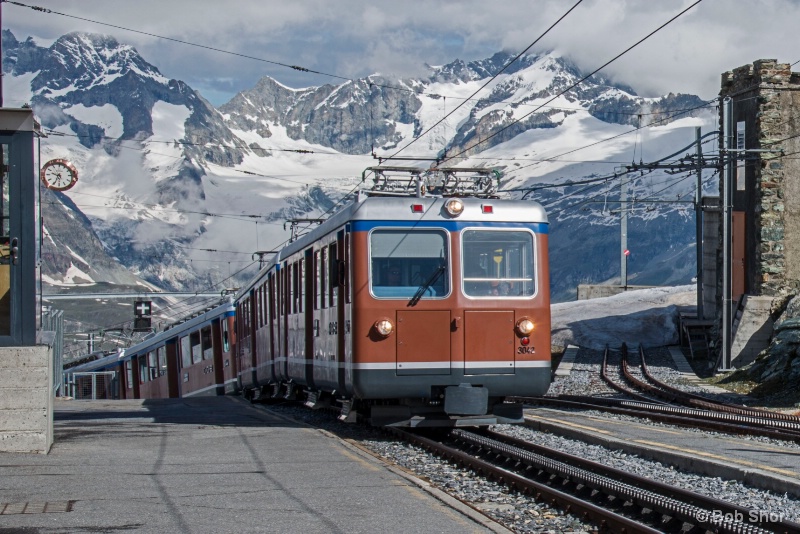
{"x":353,"y":38}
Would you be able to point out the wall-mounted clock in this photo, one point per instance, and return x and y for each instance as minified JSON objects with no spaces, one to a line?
{"x":59,"y":174}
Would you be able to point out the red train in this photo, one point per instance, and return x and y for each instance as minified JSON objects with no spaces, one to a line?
{"x":414,"y":309}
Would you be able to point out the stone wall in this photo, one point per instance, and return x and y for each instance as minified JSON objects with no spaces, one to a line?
{"x":764,"y":96}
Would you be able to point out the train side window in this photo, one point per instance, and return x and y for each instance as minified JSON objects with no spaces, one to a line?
{"x":186,"y":352}
{"x":301,"y":285}
{"x":152,"y":365}
{"x":197,"y":354}
{"x":317,"y":281}
{"x":263,"y":304}
{"x":208,"y":348}
{"x":498,"y":263}
{"x":161,"y":354}
{"x":333,"y":276}
{"x":285,"y":291}
{"x":323,"y":275}
{"x":404,"y":261}
{"x":143,"y":374}
{"x":226,"y":342}
{"x":292,"y":288}
{"x":347,"y":260}
{"x":129,"y":373}
{"x":271,"y":298}
{"x":259,"y":309}
{"x":295,"y":288}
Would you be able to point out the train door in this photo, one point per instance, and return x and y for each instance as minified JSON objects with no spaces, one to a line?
{"x":252,"y":324}
{"x":216,"y":355}
{"x":229,"y":363}
{"x":326,"y":333}
{"x":310,"y":316}
{"x":272,"y":318}
{"x":126,"y":391}
{"x":343,"y":341}
{"x":283,"y":329}
{"x":173,"y":369}
{"x":263,"y":365}
{"x":184,"y":350}
{"x":135,"y":377}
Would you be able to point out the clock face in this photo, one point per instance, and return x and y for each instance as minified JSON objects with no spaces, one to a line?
{"x":59,"y":174}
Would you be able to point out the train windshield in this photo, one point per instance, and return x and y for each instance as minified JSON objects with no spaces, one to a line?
{"x":498,"y":263}
{"x":405,"y":262}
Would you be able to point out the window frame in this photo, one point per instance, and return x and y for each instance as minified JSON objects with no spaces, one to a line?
{"x":447,"y":236}
{"x":534,"y":257}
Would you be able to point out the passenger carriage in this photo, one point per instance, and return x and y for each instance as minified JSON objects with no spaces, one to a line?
{"x":190,"y":358}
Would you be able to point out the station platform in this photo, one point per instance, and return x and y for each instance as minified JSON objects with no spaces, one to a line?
{"x":216,"y":464}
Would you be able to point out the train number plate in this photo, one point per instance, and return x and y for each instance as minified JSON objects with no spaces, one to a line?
{"x":526,"y":350}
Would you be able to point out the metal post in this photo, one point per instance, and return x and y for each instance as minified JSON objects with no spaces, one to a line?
{"x":727,"y":205}
{"x":698,"y":217}
{"x":623,"y":232}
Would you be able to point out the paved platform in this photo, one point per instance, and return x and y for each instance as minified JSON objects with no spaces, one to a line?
{"x":211,"y":465}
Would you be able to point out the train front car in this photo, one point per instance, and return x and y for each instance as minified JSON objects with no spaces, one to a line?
{"x":451,"y":309}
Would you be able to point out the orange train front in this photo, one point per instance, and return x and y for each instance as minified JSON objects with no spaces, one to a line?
{"x":407,"y":309}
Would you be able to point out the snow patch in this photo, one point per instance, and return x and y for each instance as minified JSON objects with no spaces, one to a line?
{"x":106,"y":117}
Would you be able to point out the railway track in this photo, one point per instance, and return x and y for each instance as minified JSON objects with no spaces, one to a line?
{"x":654,"y":400}
{"x":614,"y":500}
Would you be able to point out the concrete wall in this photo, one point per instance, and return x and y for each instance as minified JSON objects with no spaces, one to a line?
{"x":753,"y":331}
{"x":26,"y":399}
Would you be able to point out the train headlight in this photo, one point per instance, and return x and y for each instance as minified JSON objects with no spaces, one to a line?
{"x":524,"y":326}
{"x":454,"y":206}
{"x":384,"y":327}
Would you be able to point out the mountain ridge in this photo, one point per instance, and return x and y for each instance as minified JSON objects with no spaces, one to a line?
{"x":177,"y":178}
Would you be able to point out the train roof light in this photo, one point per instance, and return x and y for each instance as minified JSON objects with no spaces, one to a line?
{"x":454,"y":206}
{"x":487,"y":208}
{"x":417,"y":208}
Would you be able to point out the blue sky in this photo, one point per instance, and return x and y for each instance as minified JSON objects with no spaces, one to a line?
{"x":353,"y":38}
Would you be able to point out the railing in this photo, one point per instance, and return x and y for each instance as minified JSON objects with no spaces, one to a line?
{"x":53,"y":321}
{"x":94,"y":386}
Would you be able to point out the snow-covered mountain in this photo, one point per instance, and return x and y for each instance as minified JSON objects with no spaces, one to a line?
{"x":182,"y":194}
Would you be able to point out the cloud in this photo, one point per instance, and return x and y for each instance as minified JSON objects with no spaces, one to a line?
{"x":353,"y":38}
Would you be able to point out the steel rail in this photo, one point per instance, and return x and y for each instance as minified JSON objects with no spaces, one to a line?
{"x":734,"y":415}
{"x":666,"y":499}
{"x":606,"y":519}
{"x":699,"y":421}
{"x":608,"y":380}
{"x":716,"y":405}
